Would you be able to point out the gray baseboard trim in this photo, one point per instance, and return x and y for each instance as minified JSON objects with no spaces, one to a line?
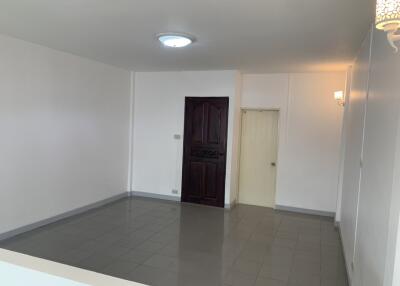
{"x":304,"y":211}
{"x":67,"y":214}
{"x":337,"y":224}
{"x":154,"y":196}
{"x":231,"y":205}
{"x":169,"y":198}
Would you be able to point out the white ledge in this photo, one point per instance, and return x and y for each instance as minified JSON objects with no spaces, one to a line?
{"x":21,"y":269}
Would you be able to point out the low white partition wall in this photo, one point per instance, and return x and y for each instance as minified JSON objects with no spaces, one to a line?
{"x":18,"y":269}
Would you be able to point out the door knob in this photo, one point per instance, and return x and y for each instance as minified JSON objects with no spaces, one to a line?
{"x":273,"y":164}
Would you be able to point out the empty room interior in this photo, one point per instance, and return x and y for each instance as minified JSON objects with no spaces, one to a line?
{"x":200,"y":143}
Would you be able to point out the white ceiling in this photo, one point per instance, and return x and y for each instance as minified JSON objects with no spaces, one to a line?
{"x":250,"y":35}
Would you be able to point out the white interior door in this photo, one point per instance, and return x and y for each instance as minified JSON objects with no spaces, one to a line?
{"x":258,"y":157}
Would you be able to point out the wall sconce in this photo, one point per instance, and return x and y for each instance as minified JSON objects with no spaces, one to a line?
{"x":388,"y":20}
{"x":339,"y":97}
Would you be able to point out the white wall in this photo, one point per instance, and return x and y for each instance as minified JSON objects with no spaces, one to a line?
{"x":396,"y":262}
{"x":309,"y":136}
{"x":234,"y":184}
{"x":343,"y":137}
{"x":392,"y":271}
{"x":354,"y":127}
{"x":64,"y":125}
{"x":372,"y":221}
{"x":159,"y":114}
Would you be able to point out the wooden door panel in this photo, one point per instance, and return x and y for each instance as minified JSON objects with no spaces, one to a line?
{"x":196,"y":179}
{"x":211,"y":182}
{"x":197,"y":122}
{"x":214,"y":130}
{"x":204,"y":156}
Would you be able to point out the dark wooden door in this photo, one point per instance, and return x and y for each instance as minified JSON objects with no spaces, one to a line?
{"x":204,"y":154}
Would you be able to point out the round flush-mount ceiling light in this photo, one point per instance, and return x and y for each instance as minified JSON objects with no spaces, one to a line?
{"x":175,"y":40}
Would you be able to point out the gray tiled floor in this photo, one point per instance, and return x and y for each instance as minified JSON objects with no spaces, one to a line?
{"x":165,"y":243}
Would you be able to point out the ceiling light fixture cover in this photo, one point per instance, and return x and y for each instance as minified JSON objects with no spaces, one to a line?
{"x":175,"y":40}
{"x":388,"y":19}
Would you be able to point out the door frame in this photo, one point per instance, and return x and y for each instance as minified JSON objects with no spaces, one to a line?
{"x":242,"y":110}
{"x":222,"y":98}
